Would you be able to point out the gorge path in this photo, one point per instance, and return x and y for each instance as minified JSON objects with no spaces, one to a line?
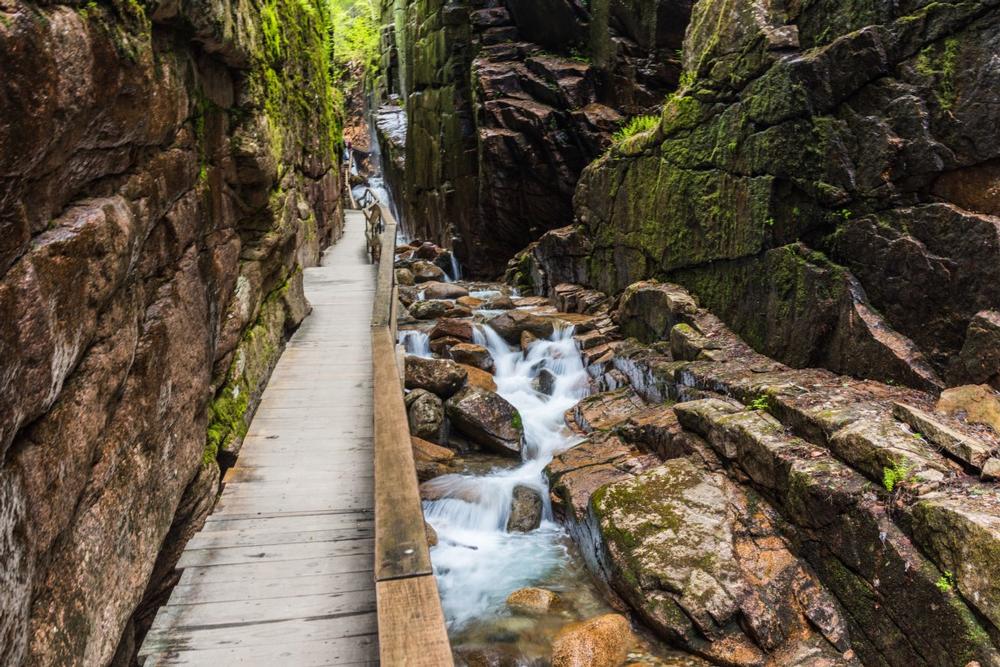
{"x":282,"y":572}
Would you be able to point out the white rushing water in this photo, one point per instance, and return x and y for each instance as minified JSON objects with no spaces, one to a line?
{"x":415,"y":342}
{"x":478,"y":564}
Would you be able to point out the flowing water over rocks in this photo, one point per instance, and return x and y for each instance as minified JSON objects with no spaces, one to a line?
{"x":500,"y":548}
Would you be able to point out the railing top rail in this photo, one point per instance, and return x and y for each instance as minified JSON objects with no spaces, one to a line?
{"x":411,"y":622}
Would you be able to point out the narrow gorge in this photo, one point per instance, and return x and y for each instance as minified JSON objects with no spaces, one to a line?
{"x":696,"y":307}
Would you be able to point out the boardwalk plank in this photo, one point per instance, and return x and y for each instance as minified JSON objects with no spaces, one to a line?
{"x":282,"y":572}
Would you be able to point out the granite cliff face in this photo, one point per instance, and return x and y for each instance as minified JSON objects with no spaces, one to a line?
{"x":824,"y":181}
{"x":507,"y":102}
{"x":166,"y":170}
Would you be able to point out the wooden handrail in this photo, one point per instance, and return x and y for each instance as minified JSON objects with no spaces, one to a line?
{"x":411,"y":624}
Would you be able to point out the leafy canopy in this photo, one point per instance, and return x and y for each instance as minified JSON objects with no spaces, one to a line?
{"x":355,"y":35}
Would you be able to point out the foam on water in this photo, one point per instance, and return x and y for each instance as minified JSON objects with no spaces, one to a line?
{"x":477,"y":562}
{"x":415,"y":342}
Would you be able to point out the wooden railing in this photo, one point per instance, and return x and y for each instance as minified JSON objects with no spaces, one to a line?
{"x":411,"y":625}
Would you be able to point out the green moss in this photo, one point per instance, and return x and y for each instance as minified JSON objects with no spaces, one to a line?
{"x":254,"y":358}
{"x":938,"y":62}
{"x":516,"y":422}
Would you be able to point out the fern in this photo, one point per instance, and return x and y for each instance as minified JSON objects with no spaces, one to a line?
{"x":895,"y":475}
{"x":634,"y":126}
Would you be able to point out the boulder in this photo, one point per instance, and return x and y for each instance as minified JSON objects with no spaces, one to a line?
{"x":473,"y":355}
{"x":470,"y":302}
{"x":407,"y":295}
{"x":425,"y":413}
{"x":487,"y":419}
{"x":513,"y":323}
{"x":442,"y":346}
{"x":438,"y":290}
{"x":404,"y":277}
{"x":649,"y":310}
{"x":479,"y":378}
{"x":977,"y":404}
{"x":460,"y":329}
{"x":427,"y":250}
{"x":525,"y":510}
{"x":527,"y":338}
{"x":965,"y":447}
{"x":429,"y":310}
{"x":424,"y":271}
{"x":533,"y":600}
{"x":602,"y":641}
{"x":431,"y":460}
{"x":499,"y":302}
{"x":439,"y":376}
{"x":544,"y":382}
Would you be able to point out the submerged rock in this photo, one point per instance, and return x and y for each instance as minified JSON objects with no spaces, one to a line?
{"x":533,"y":600}
{"x":439,"y":376}
{"x":544,"y":382}
{"x":603,"y":641}
{"x":525,"y":510}
{"x":487,"y":419}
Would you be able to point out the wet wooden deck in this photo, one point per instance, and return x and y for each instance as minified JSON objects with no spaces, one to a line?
{"x":282,"y":572}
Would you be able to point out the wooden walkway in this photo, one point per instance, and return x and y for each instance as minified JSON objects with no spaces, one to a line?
{"x":282,"y":572}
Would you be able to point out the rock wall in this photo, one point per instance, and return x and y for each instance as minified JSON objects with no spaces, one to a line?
{"x":825,"y":167}
{"x":166,"y":170}
{"x":756,"y":514}
{"x":507,"y":102}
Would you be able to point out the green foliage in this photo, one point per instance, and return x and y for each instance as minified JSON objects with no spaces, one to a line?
{"x":762,"y":402}
{"x":356,"y":35}
{"x":946,"y":582}
{"x":940,"y":64}
{"x":634,"y":126}
{"x":516,"y":421}
{"x":896,"y":475}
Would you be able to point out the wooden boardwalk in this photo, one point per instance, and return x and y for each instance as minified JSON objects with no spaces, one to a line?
{"x":282,"y":572}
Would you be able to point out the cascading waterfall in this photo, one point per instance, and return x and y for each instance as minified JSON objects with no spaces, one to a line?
{"x":477,"y":562}
{"x":417,"y":343}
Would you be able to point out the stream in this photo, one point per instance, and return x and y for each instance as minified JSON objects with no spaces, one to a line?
{"x":478,"y":563}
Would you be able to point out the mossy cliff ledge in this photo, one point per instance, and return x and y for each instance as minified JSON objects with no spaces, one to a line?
{"x":824,"y":167}
{"x":166,"y":170}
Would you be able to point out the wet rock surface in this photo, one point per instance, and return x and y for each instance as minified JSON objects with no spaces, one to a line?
{"x":806,"y":471}
{"x":525,"y":511}
{"x":486,"y":419}
{"x":442,"y":377}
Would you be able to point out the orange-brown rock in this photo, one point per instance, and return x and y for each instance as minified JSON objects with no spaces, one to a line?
{"x":602,"y":641}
